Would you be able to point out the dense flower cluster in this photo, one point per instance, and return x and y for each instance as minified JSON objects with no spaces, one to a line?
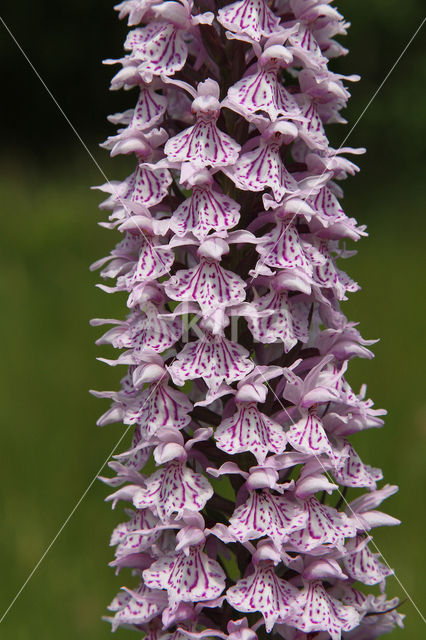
{"x":235,"y":345}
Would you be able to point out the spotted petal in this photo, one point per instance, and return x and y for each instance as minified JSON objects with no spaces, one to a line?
{"x":158,"y":406}
{"x":153,"y":262}
{"x":311,"y":130}
{"x":304,"y":46}
{"x":157,"y":333}
{"x":187,"y":578}
{"x":260,"y":169}
{"x":330,"y":277}
{"x":173,"y":489}
{"x":324,"y":525}
{"x":159,"y":48}
{"x":354,"y":473}
{"x":250,"y":430}
{"x":327,"y":206}
{"x":137,"y":606}
{"x":288,"y":323}
{"x":262,"y":92}
{"x":149,"y":109}
{"x":204,"y":210}
{"x":307,"y":435}
{"x":322,"y":612}
{"x":363,"y":565}
{"x":147,"y":186}
{"x":203,"y":145}
{"x":212,"y":358}
{"x":266,"y":514}
{"x":283,"y":248}
{"x":208,"y":284}
{"x":263,"y":592}
{"x":134,"y":9}
{"x":142,"y":330}
{"x":129,"y":536}
{"x":249,"y":17}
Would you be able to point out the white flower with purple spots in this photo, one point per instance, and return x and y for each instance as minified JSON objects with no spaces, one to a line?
{"x":204,"y":145}
{"x":187,"y":577}
{"x":251,"y":18}
{"x":207,"y":209}
{"x":262,"y":168}
{"x":172,"y":490}
{"x":262,"y":91}
{"x":263,"y":591}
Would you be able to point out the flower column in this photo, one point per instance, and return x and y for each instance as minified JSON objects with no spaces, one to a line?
{"x":235,"y":344}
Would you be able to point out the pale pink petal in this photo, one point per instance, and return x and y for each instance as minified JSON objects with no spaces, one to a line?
{"x":287,"y":324}
{"x":130,"y":536}
{"x":159,"y":48}
{"x":142,"y":330}
{"x":146,"y":187}
{"x":322,"y":612}
{"x":157,"y":407}
{"x":149,"y":109}
{"x":307,"y":435}
{"x":262,"y":168}
{"x":137,"y":606}
{"x":325,"y":526}
{"x":173,"y":489}
{"x":363,"y":565}
{"x":354,"y":473}
{"x":153,"y":262}
{"x":267,"y":514}
{"x":263,"y":592}
{"x":250,"y":430}
{"x":282,"y":248}
{"x":311,"y":130}
{"x":303,"y":45}
{"x":204,"y":210}
{"x":263,"y":92}
{"x":203,"y":145}
{"x":187,"y":578}
{"x":208,"y":284}
{"x":249,"y":17}
{"x":212,"y":358}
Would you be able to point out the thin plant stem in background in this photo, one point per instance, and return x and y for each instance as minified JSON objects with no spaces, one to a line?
{"x":244,"y":515}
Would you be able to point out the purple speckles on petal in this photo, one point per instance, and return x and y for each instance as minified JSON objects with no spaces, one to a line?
{"x":321,"y":612}
{"x":187,"y":578}
{"x":363,"y":565}
{"x":324,"y":526}
{"x":173,"y":489}
{"x":147,"y":186}
{"x":253,"y":18}
{"x":288,"y":322}
{"x":205,"y":210}
{"x":203,"y":145}
{"x":158,"y":48}
{"x":137,"y":607}
{"x":208,"y":284}
{"x":250,"y":430}
{"x":307,"y":435}
{"x":263,"y":591}
{"x":263,"y":92}
{"x":213,"y":358}
{"x":265,"y":513}
{"x":261,"y":169}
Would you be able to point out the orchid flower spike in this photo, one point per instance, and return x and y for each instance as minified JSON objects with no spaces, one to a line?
{"x":234,"y":344}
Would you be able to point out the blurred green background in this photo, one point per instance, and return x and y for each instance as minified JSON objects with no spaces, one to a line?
{"x":51,"y":448}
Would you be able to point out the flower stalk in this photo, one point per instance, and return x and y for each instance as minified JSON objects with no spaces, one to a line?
{"x":240,"y":470}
